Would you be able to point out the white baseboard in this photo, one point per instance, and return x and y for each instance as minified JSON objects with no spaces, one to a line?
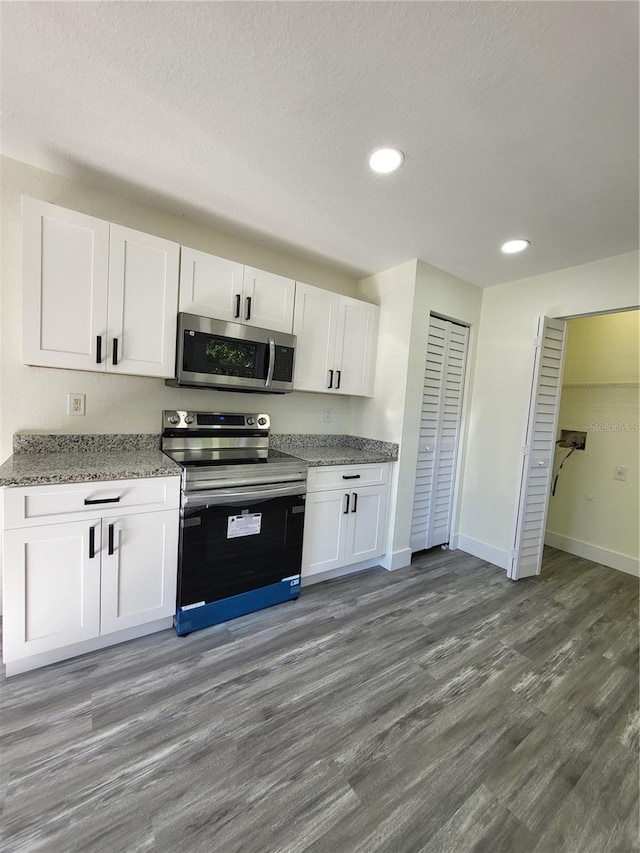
{"x":15,"y":667}
{"x":396,"y":560}
{"x":318,"y":577}
{"x":482,"y":550}
{"x":604,"y":556}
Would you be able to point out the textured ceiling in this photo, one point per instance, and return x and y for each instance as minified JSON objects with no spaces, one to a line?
{"x":516,"y":118}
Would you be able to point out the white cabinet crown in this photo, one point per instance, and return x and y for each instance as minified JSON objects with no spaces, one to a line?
{"x":97,"y":296}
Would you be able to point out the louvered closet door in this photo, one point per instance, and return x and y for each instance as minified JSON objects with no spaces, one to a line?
{"x":439,"y":433}
{"x":538,"y":449}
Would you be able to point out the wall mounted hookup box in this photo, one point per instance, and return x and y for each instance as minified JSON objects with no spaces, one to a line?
{"x":573,"y":438}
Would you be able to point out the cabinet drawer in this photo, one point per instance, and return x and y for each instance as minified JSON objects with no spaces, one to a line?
{"x":347,"y":476}
{"x":25,"y":507}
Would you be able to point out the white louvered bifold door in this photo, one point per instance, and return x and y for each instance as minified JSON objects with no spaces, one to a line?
{"x":538,"y":450}
{"x":439,"y":433}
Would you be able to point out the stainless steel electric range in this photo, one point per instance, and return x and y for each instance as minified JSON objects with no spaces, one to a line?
{"x":241,"y":516}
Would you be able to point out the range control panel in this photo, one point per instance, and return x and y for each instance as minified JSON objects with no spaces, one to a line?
{"x":214,"y":421}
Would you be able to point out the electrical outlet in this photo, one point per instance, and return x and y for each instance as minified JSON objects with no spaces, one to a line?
{"x":327,"y":416}
{"x":620,"y":472}
{"x":75,"y":404}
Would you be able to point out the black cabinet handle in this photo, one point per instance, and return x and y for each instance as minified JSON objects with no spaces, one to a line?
{"x":92,"y":543}
{"x":91,"y":501}
{"x":355,"y":502}
{"x":248,"y":317}
{"x":338,"y":372}
{"x":346,"y":511}
{"x":238,"y":299}
{"x":111,"y":532}
{"x":115,"y":351}
{"x":330,"y":385}
{"x":99,"y":349}
{"x":351,"y":476}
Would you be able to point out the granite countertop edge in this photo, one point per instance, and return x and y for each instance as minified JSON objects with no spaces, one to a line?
{"x":57,"y":459}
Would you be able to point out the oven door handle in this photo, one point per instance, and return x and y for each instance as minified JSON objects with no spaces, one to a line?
{"x":272,"y":361}
{"x":221,"y":497}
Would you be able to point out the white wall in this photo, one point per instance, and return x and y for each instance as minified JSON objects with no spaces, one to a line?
{"x":34,"y":398}
{"x":592,"y":514}
{"x":383,"y":415}
{"x":407,"y":294}
{"x":502,"y":382}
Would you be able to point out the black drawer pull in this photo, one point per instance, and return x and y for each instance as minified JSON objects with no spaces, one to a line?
{"x":92,"y":543}
{"x":111,"y":531}
{"x":248,"y":317}
{"x":115,"y":351}
{"x":355,"y":502}
{"x":346,"y":511}
{"x":351,"y":476}
{"x":92,"y":501}
{"x":237,"y":306}
{"x":330,"y":379}
{"x":99,"y":349}
{"x":339,"y":373}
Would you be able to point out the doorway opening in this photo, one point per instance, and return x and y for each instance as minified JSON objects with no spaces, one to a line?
{"x":594,"y":507}
{"x":614,"y":366}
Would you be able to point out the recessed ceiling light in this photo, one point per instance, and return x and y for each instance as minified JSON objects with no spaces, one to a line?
{"x":385,"y":160}
{"x":513,"y":246}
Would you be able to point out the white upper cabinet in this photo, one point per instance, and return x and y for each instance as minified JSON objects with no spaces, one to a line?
{"x":315,"y":322}
{"x":336,"y":345}
{"x":143,"y":294}
{"x":210,"y":286}
{"x":268,"y":300}
{"x":65,"y":271}
{"x":226,"y":290}
{"x":97,"y":296}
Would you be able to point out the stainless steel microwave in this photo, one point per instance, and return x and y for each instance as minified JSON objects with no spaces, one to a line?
{"x":232,"y":357}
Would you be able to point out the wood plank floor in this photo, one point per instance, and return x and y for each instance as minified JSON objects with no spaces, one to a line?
{"x":441,"y":708}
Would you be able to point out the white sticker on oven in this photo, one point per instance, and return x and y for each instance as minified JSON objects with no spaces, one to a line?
{"x":244,"y":525}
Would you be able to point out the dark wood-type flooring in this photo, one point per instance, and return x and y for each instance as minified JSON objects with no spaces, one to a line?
{"x":441,"y":708}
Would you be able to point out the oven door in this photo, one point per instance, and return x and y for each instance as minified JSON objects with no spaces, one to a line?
{"x":236,"y":540}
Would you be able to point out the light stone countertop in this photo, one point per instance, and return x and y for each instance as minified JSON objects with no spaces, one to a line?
{"x":321,"y":450}
{"x":50,"y":459}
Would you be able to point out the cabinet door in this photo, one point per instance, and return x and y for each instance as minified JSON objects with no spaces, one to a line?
{"x":139,"y":569}
{"x":210,"y":286}
{"x":51,"y":587}
{"x":356,"y":346}
{"x":267,"y":300}
{"x":325,"y":530}
{"x":143,"y":303}
{"x":65,"y":279}
{"x":367,"y":524}
{"x":315,"y":323}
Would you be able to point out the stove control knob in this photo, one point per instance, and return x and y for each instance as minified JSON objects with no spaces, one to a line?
{"x":188,"y":419}
{"x":251,"y":421}
{"x":174,"y":419}
{"x":262,"y":421}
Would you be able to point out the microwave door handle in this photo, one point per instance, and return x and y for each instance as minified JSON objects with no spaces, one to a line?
{"x":272,"y":361}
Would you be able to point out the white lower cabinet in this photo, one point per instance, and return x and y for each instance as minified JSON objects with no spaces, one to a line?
{"x":51,"y":588}
{"x":347,"y":524}
{"x":139,"y":569}
{"x":74,"y":585}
